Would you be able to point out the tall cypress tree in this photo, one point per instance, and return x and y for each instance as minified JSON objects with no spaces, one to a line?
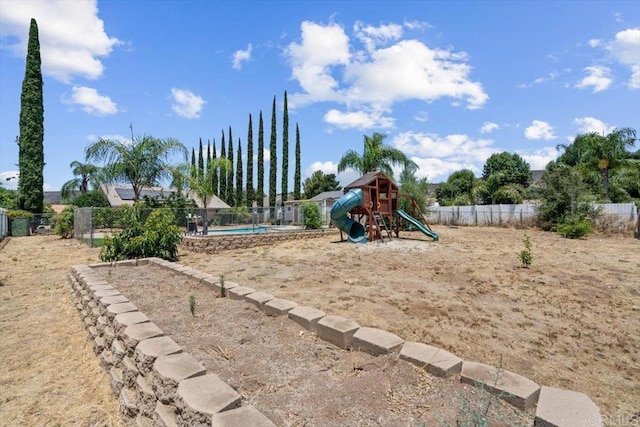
{"x":273,"y":161}
{"x":208,"y":154}
{"x":200,"y":161}
{"x":250,"y":194}
{"x":214,"y":175}
{"x":223,"y":175}
{"x":285,"y":151}
{"x":239,"y":185}
{"x":194,"y":170}
{"x":31,"y":139}
{"x":231,"y":194}
{"x":260,"y":187}
{"x":296,"y":176}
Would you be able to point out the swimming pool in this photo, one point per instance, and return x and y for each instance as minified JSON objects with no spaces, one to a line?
{"x":247,"y":230}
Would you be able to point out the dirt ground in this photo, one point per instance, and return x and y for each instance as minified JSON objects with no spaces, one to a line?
{"x":572,"y":320}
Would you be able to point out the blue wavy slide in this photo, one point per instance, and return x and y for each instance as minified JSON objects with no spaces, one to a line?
{"x":355,"y":231}
{"x":420,"y":226}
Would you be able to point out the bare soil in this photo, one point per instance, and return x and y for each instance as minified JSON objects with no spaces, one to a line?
{"x":572,"y":320}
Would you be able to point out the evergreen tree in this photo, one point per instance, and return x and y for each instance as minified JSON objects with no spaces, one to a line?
{"x":296,"y":176}
{"x":250,"y":192}
{"x":273,"y":162}
{"x":239,"y":185}
{"x":285,"y":151}
{"x":260,"y":187}
{"x":223,"y":175}
{"x":231,"y":194}
{"x":214,"y":175}
{"x":194,"y":170}
{"x":200,"y":161}
{"x":31,"y":139}
{"x":208,"y":160}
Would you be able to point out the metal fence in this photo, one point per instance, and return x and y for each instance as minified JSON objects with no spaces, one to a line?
{"x":4,"y":224}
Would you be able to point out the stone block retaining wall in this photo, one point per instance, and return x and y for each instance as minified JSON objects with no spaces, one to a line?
{"x":158,"y":384}
{"x":213,"y":244}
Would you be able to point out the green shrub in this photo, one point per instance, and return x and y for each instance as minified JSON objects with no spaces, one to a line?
{"x":157,"y":237}
{"x":95,"y":198}
{"x":17,"y":213}
{"x":525,"y":255}
{"x":63,"y":222}
{"x":574,"y":227}
{"x":311,"y":216}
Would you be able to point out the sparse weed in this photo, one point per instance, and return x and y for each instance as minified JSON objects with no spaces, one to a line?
{"x":192,"y":305}
{"x":525,"y":255}
{"x":223,"y":291}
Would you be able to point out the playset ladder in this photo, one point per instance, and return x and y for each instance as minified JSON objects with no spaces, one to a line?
{"x":380,"y":223}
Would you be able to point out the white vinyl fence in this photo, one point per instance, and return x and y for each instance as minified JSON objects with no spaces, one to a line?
{"x":614,"y":216}
{"x":4,"y":223}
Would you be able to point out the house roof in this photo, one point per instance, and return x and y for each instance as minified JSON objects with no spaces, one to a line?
{"x":120,"y":195}
{"x":327,"y":195}
{"x":53,"y":197}
{"x":368,"y":178}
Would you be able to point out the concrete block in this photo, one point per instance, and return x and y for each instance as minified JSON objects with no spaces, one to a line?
{"x":116,"y":382}
{"x":129,"y":372}
{"x":146,"y":397}
{"x":93,"y":331}
{"x":142,"y":421}
{"x":106,"y":360}
{"x":519,"y":391}
{"x":114,"y":309}
{"x":278,"y":307}
{"x":97,"y":295}
{"x":198,"y":398}
{"x":246,"y":415}
{"x":128,"y":404}
{"x":306,"y":317}
{"x":107,"y":301}
{"x":337,"y":330}
{"x":565,"y":408}
{"x":135,"y":333}
{"x":375,"y":341}
{"x":98,"y":345}
{"x":121,"y":321}
{"x":101,"y":323}
{"x":168,"y":371}
{"x":239,"y":292}
{"x":118,"y":351}
{"x":435,"y":360}
{"x":258,"y":298}
{"x":147,"y":351}
{"x":108,"y":336}
{"x":164,"y":415}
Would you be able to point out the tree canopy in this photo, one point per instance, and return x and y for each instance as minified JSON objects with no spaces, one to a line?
{"x":86,"y":175}
{"x":375,"y":156}
{"x":318,"y":182}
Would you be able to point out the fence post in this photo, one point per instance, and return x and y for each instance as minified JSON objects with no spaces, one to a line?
{"x":91,"y":228}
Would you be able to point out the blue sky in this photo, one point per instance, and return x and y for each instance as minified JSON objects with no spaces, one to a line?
{"x":450,"y":83}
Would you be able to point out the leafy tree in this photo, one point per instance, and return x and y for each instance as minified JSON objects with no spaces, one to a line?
{"x":63,"y":222}
{"x":200,"y":160}
{"x":458,"y":190}
{"x":180,"y":176}
{"x":8,"y":198}
{"x":95,"y":198}
{"x":250,"y":190}
{"x":239,"y":185}
{"x":194,"y":169}
{"x":284,"y":187}
{"x":318,"y":182}
{"x":215,"y":176}
{"x":376,"y":156}
{"x":203,"y":185}
{"x":273,"y":162}
{"x":85,"y":174}
{"x":30,"y":141}
{"x":312,"y":219}
{"x":231,"y":195}
{"x":296,"y":176}
{"x":416,"y":188}
{"x":222,"y":177}
{"x":506,"y":176}
{"x":260,"y":186}
{"x":141,"y":163}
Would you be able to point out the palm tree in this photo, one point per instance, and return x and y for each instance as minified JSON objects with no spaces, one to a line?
{"x":85,"y":174}
{"x":376,"y":156}
{"x":202,"y":185}
{"x":143,"y":162}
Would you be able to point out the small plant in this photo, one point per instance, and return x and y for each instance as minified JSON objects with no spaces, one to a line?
{"x":63,"y":222}
{"x":192,"y":305}
{"x":525,"y":254}
{"x":223,"y":291}
{"x":575,"y":227}
{"x":312,"y":219}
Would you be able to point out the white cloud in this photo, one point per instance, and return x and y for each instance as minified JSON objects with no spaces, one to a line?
{"x":598,"y":77}
{"x":591,"y":124}
{"x":539,"y":130}
{"x":549,"y":77}
{"x":90,"y":101}
{"x":539,"y":159}
{"x":371,"y":80}
{"x":625,"y":49}
{"x":594,"y":43}
{"x":9,"y":179}
{"x":72,"y":36}
{"x":241,"y":56}
{"x":326,"y":167}
{"x":186,"y":104}
{"x":358,"y":120}
{"x":488,"y":127}
{"x":421,"y":116}
{"x":266,"y":155}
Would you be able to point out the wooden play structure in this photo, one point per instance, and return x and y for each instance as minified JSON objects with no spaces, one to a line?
{"x":375,"y":204}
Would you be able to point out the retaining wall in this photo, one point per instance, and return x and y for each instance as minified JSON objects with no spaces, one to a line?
{"x":159,"y":384}
{"x":213,"y":244}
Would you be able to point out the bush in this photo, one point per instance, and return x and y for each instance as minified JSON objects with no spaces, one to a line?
{"x":157,"y":237}
{"x":575,"y":227}
{"x":311,"y":216}
{"x":63,"y":223}
{"x":95,"y":198}
{"x":17,"y":213}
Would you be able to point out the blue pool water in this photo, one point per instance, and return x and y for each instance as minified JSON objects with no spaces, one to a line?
{"x":248,"y":230}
